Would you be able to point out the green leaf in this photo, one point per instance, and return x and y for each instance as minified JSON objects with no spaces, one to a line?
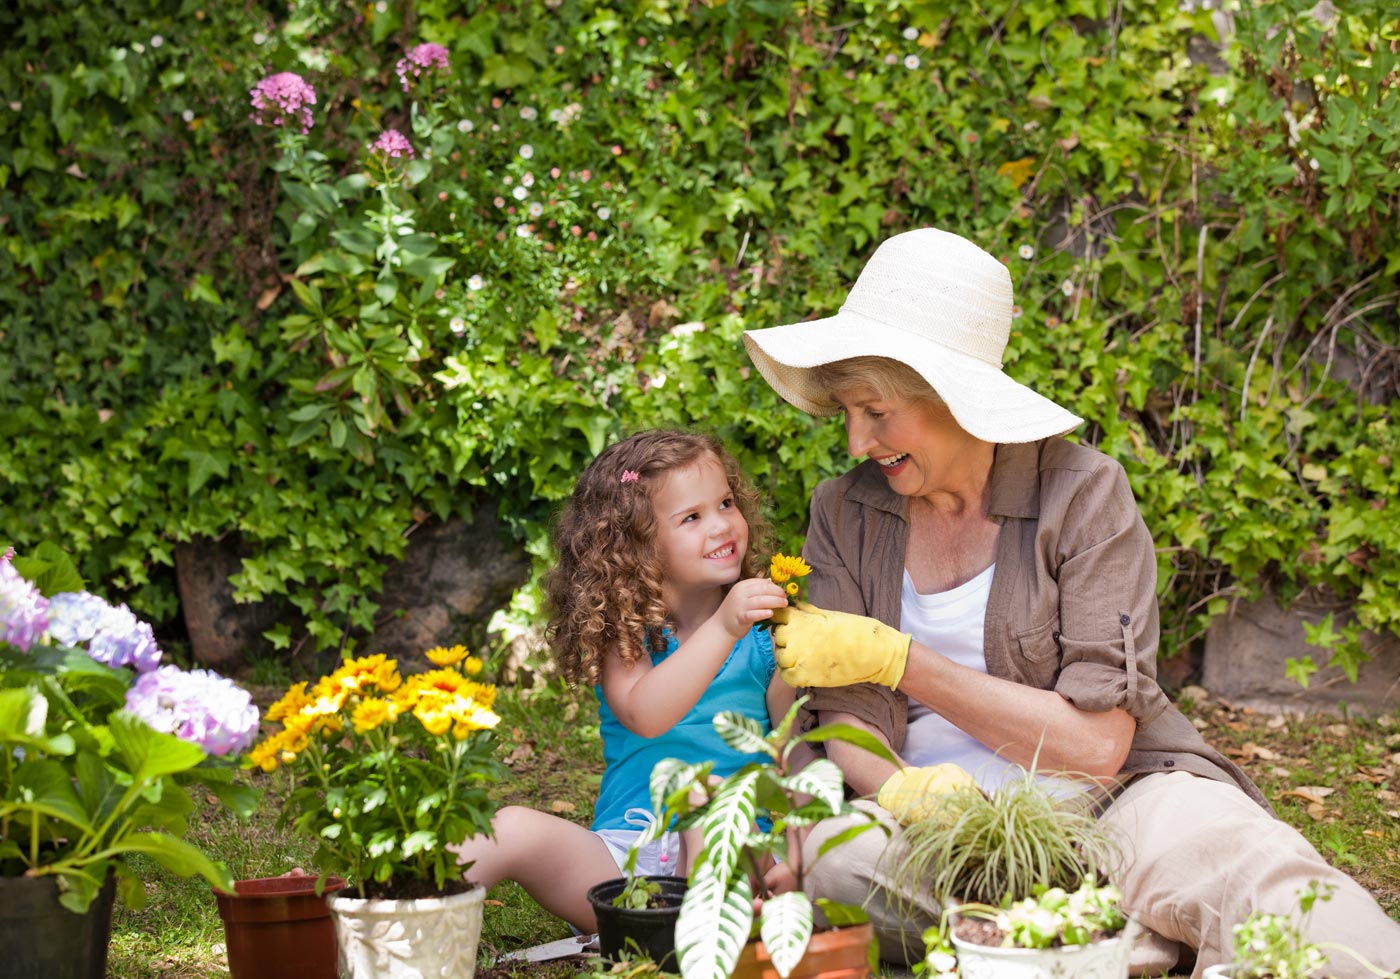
{"x":850,"y":734}
{"x":49,"y":568}
{"x":714,"y":924}
{"x":742,"y":733}
{"x":148,"y":753}
{"x":785,"y":926}
{"x":178,"y":856}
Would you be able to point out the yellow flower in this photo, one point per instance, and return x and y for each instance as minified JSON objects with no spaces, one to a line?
{"x":446,"y":655}
{"x":471,"y":666}
{"x":264,"y":755}
{"x":292,"y":701}
{"x":369,"y":714}
{"x":792,"y":588}
{"x":436,"y":718}
{"x":473,"y":717}
{"x":784,"y":568}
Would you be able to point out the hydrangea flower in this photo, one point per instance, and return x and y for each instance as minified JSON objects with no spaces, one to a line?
{"x":282,"y":99}
{"x":23,"y":610}
{"x":197,"y":706}
{"x":421,"y":58}
{"x":392,"y":144}
{"x":113,"y":634}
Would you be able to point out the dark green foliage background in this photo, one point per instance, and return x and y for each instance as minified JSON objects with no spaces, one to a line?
{"x":197,"y":341}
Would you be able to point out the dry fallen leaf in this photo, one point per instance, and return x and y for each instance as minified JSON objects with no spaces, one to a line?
{"x":521,"y":752}
{"x":1338,"y":730}
{"x":1313,"y":794}
{"x":559,"y":805}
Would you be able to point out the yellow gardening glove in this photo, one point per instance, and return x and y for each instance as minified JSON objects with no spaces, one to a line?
{"x":912,"y":795}
{"x":818,"y":648}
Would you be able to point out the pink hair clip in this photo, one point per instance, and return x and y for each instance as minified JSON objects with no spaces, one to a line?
{"x":629,"y":476}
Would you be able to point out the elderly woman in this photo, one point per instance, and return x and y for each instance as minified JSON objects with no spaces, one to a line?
{"x":984,"y":593}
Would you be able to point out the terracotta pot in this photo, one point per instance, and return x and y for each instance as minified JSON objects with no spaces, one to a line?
{"x":279,"y":928}
{"x":839,"y":953}
{"x":40,"y":937}
{"x":381,"y":938}
{"x":1107,"y":959}
{"x":651,"y":930}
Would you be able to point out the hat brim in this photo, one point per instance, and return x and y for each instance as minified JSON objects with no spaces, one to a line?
{"x":982,"y":398}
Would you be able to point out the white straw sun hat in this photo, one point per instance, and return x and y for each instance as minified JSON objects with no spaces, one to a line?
{"x":937,"y":303}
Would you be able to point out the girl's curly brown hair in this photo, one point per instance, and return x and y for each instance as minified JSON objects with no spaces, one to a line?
{"x":604,"y":590}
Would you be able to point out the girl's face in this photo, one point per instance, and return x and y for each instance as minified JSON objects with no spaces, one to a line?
{"x":700,"y":533}
{"x":920,"y":448}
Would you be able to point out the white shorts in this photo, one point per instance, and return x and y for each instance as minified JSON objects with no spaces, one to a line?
{"x":659,"y":858}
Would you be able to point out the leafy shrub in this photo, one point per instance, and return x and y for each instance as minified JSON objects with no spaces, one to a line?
{"x":204,"y":332}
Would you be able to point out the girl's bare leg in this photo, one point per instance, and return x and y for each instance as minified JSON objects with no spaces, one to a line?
{"x":555,"y":860}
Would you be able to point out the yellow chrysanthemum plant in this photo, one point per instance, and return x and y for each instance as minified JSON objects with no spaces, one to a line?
{"x":788,"y":571}
{"x":388,"y":769}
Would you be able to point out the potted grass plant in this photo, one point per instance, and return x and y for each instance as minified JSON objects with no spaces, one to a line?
{"x":390,"y":769}
{"x":100,"y":747}
{"x":747,"y":821}
{"x":1019,"y":871}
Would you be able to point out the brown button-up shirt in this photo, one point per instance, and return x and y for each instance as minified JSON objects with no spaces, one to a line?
{"x":1072,"y":606}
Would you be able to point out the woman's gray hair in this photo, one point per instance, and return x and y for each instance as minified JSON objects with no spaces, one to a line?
{"x":889,"y":379}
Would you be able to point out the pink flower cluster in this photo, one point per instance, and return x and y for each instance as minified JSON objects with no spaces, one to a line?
{"x":423,"y":57}
{"x":281,"y":99}
{"x":393,"y":144}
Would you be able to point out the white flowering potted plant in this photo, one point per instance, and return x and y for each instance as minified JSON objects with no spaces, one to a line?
{"x":389,"y":770}
{"x":1019,"y":871}
{"x":100,"y":746}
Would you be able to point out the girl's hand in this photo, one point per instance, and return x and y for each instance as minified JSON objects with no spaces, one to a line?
{"x":749,"y":600}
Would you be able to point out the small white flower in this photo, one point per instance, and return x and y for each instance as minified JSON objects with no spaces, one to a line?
{"x":465,"y":126}
{"x":520,"y":193}
{"x":381,"y":6}
{"x":911,"y":61}
{"x":891,"y":59}
{"x":1016,"y":312}
{"x":911,"y":33}
{"x":1026,"y":252}
{"x":528,"y":180}
{"x":1313,"y":164}
{"x":659,"y":381}
{"x":527,"y":151}
{"x":604,"y":213}
{"x":1067,"y":287}
{"x":522,"y":231}
{"x":536,"y":209}
{"x":259,"y":38}
{"x":157,"y":41}
{"x":555,"y":115}
{"x":528,"y":113}
{"x":457,"y":325}
{"x":475,"y":283}
{"x":187,"y":115}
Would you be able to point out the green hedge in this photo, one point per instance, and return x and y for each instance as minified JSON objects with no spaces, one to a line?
{"x":212,"y":327}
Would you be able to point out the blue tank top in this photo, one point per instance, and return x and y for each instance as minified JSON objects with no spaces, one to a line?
{"x":741,"y":685}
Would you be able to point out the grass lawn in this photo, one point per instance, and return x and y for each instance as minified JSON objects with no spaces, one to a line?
{"x":1336,"y":780}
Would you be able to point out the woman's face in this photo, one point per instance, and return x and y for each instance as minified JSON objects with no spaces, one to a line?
{"x":919,"y":447}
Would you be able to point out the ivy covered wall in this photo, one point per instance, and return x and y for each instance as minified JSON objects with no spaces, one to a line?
{"x":211,"y":327}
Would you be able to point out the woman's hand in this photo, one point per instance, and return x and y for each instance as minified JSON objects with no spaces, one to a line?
{"x":749,"y":600}
{"x":818,"y":648}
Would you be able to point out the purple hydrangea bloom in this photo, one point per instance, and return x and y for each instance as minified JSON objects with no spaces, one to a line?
{"x":24,"y":611}
{"x":196,"y":706}
{"x":392,"y":144}
{"x":281,"y":99}
{"x":423,"y":57}
{"x":112,"y":633}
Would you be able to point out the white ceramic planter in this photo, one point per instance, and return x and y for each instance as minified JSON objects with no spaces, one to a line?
{"x":1101,"y":960}
{"x":426,"y":938}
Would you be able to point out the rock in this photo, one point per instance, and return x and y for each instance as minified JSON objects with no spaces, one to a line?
{"x":453,"y":576}
{"x":1246,"y":653}
{"x":222,"y":632}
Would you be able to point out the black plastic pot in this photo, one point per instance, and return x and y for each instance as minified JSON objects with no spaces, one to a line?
{"x":40,"y":937}
{"x":649,"y":931}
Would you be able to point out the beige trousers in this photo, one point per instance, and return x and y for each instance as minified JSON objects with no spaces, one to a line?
{"x":1201,"y":856}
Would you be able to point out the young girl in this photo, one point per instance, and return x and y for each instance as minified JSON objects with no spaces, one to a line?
{"x":654,"y":600}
